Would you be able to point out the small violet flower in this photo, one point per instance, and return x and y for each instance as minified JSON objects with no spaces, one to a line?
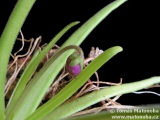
{"x":73,"y":65}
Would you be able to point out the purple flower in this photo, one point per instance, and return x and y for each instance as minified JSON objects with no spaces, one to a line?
{"x":73,"y":70}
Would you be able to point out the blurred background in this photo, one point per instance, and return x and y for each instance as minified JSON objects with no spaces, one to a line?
{"x":133,"y":26}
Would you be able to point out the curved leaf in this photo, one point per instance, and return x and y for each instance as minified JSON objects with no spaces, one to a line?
{"x":7,"y":40}
{"x":75,"y":84}
{"x":97,"y":96}
{"x":30,"y":69}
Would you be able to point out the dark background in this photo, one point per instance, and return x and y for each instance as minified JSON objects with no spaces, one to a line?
{"x":134,"y":26}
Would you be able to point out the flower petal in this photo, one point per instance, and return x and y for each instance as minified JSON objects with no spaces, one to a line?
{"x":74,"y":70}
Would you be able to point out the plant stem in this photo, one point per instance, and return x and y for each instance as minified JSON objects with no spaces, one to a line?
{"x":7,"y":39}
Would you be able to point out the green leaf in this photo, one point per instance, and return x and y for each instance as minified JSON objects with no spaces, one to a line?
{"x":97,"y":96}
{"x":20,"y":86}
{"x":24,"y":78}
{"x":30,"y":69}
{"x":7,"y":39}
{"x":80,"y":34}
{"x":75,"y":84}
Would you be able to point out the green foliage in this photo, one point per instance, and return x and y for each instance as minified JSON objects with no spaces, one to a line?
{"x":32,"y":67}
{"x":26,"y":98}
{"x":8,"y":37}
